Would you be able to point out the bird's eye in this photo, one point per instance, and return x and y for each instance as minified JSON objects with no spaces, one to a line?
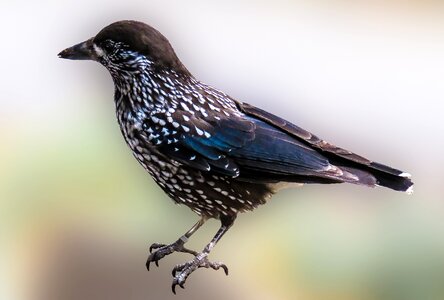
{"x":108,"y":46}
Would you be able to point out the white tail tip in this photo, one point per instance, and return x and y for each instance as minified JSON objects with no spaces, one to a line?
{"x":405,"y":175}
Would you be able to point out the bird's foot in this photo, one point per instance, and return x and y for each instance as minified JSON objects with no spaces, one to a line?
{"x":164,"y":250}
{"x":182,"y":271}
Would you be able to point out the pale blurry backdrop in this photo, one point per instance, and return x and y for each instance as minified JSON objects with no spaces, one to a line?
{"x":78,"y":213}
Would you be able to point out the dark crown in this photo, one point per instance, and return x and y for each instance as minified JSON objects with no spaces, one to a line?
{"x":145,"y":40}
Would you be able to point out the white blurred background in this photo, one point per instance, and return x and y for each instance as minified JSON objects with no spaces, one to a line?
{"x":78,"y":214}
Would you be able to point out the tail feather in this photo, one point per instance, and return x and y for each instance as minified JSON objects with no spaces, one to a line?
{"x":362,"y":177}
{"x":380,"y":175}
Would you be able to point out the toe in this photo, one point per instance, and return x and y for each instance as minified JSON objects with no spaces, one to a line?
{"x":156,"y":246}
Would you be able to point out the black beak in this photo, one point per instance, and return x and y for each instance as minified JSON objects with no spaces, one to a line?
{"x":82,"y":51}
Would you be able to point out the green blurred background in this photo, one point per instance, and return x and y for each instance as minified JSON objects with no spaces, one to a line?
{"x":77,"y":213}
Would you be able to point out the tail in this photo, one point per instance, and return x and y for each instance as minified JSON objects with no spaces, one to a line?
{"x":376,"y":174}
{"x":353,"y":168}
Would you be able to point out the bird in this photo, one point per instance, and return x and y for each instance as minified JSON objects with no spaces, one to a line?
{"x":205,"y":149}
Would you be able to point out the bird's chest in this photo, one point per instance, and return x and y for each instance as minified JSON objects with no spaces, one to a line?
{"x":131,"y":127}
{"x":142,"y":142}
{"x":137,"y":138}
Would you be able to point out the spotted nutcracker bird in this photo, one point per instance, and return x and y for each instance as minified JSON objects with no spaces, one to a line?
{"x":216,"y":155}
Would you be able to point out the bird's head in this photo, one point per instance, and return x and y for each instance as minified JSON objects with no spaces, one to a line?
{"x":128,"y":46}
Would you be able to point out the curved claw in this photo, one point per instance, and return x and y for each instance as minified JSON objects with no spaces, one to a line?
{"x":173,"y":286}
{"x":164,"y":250}
{"x":152,"y":258}
{"x":148,"y":263}
{"x":225,"y":270}
{"x":220,"y":265}
{"x":182,"y":271}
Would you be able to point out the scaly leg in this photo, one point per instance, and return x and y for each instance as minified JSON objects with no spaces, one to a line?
{"x":164,"y":250}
{"x":182,"y":271}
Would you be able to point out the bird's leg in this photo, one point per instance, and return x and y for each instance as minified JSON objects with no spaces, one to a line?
{"x":164,"y":250}
{"x":182,"y":271}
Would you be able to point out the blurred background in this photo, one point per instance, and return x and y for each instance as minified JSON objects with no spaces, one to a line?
{"x":77,"y":213}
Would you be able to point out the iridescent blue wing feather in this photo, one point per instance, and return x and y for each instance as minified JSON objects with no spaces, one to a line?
{"x":240,"y":145}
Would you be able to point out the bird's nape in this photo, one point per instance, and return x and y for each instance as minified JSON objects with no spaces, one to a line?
{"x":206,"y":150}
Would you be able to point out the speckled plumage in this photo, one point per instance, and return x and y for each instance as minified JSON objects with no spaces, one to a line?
{"x":156,"y":112}
{"x":216,"y":155}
